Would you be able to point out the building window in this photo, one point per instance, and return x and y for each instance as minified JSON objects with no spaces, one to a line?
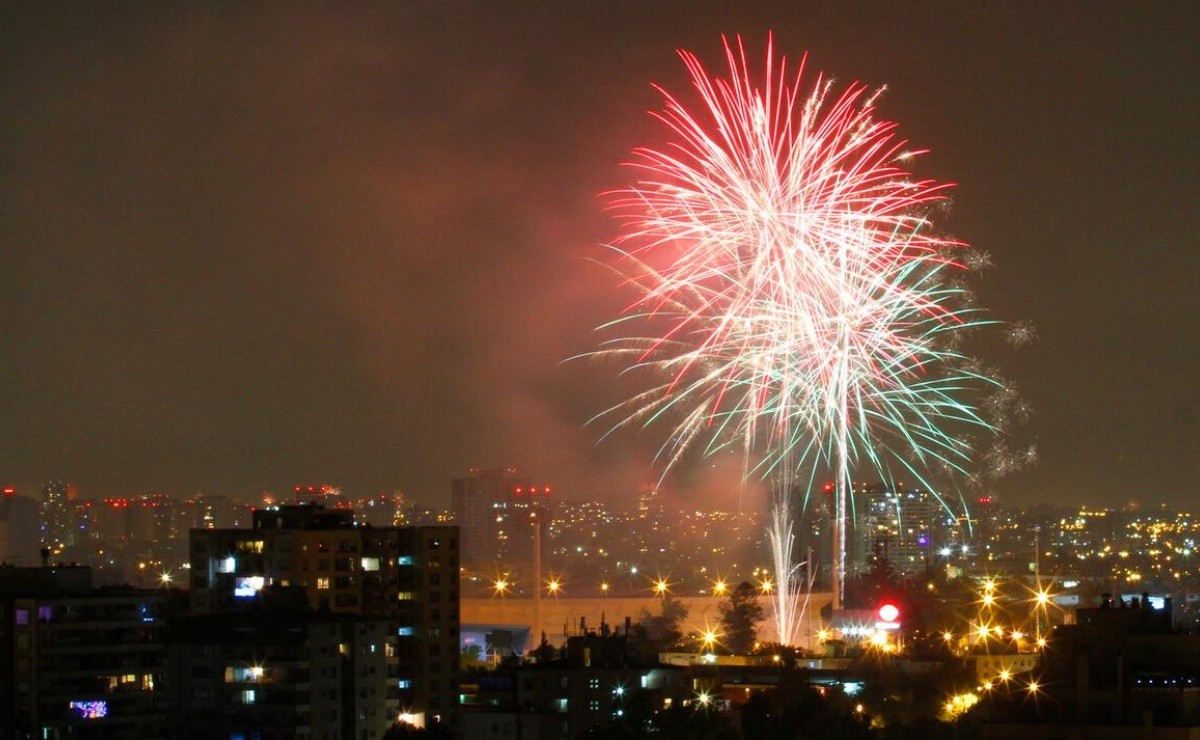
{"x":405,"y":596}
{"x":323,"y":584}
{"x":22,"y":617}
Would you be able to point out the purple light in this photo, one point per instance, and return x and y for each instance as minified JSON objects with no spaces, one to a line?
{"x":90,"y":709}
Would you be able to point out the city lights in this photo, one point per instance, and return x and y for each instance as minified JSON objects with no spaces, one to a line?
{"x":770,"y":493}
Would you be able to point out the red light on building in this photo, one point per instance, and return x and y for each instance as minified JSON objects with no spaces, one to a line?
{"x":985,"y":499}
{"x":9,"y":491}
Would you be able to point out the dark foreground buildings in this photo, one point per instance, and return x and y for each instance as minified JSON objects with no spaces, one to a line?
{"x":76,"y":661}
{"x":303,"y":626}
{"x":1120,"y":671}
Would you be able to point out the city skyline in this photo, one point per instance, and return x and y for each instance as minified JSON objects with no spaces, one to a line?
{"x":253,"y":247}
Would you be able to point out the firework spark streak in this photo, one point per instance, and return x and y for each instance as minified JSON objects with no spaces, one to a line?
{"x":793,"y":299}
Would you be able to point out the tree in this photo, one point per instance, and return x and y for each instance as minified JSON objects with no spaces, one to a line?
{"x":740,"y":615}
{"x":664,"y":626}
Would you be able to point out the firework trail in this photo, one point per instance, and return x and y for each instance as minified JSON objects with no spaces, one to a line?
{"x":792,"y":299}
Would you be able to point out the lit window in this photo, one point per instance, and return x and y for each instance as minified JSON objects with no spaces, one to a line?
{"x":370,"y":564}
{"x":247,"y":696}
{"x":404,"y":560}
{"x":405,"y":596}
{"x":405,"y":631}
{"x":323,"y":584}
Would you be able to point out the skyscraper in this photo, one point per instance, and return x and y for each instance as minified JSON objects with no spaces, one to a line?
{"x":896,"y":526}
{"x":405,"y":575}
{"x":58,"y":531}
{"x":493,"y":509}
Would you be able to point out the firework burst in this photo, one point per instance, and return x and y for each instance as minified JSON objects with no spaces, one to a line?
{"x":792,"y":297}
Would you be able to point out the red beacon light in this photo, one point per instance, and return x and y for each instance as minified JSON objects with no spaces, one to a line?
{"x":889,"y":616}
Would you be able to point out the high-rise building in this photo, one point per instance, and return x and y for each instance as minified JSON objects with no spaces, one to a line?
{"x":214,"y":511}
{"x":76,"y":661}
{"x":495,"y":511}
{"x":284,"y":673}
{"x":896,"y":526}
{"x":58,"y":527}
{"x":20,"y":528}
{"x":406,"y":575}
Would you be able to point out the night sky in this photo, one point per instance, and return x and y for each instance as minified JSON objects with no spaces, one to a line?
{"x":248,"y":245}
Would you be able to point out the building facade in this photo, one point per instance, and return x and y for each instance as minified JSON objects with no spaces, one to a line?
{"x":77,"y":661}
{"x":407,"y":576}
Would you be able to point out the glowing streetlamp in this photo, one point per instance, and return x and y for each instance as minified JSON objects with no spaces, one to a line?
{"x":553,"y":586}
{"x":499,"y":587}
{"x":720,"y":588}
{"x":660,"y":587}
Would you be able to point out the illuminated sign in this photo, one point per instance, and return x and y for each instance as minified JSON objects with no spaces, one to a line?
{"x":89,"y":709}
{"x":889,"y":616}
{"x":248,"y":587}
